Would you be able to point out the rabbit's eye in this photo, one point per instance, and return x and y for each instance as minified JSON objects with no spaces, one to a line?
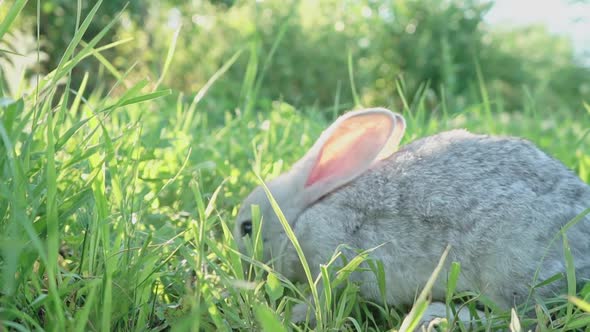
{"x":246,"y":227}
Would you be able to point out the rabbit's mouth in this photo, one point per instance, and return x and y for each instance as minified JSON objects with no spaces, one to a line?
{"x":285,"y":259}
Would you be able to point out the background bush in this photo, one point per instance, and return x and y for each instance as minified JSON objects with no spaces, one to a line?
{"x":305,"y":48}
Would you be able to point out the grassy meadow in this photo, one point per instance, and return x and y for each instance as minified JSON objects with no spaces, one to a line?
{"x":118,"y":197}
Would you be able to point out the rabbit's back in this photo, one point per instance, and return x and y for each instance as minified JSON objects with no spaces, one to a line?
{"x":497,"y":201}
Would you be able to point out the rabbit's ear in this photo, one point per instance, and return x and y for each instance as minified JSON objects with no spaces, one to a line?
{"x":348,"y":148}
{"x":399,"y":128}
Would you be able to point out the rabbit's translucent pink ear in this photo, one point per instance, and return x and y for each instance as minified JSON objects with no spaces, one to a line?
{"x":395,"y":139}
{"x":350,"y":146}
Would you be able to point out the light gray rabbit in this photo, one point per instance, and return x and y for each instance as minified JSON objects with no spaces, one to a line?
{"x":497,"y":201}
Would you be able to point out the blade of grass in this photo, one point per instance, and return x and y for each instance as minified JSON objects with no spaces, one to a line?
{"x":413,"y":318}
{"x":327,"y":287}
{"x":485,"y":97}
{"x":355,"y":96}
{"x":146,"y":97}
{"x":12,"y":14}
{"x":203,"y":91}
{"x":293,"y":239}
{"x":83,"y":314}
{"x":570,"y":275}
{"x":268,"y":319}
{"x":53,"y":233}
{"x":18,"y":215}
{"x":558,"y":235}
{"x":247,"y":91}
{"x":580,"y":303}
{"x":275,"y":45}
{"x":76,"y":40}
{"x":169,"y":57}
{"x":96,"y":52}
{"x":401,"y":92}
{"x":65,"y":66}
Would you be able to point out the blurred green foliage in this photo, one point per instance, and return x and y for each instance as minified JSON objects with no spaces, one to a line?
{"x":305,"y":51}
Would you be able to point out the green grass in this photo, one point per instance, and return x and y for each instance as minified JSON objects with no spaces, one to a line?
{"x":116,"y":211}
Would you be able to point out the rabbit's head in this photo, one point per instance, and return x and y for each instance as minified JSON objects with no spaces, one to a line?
{"x":349,"y":147}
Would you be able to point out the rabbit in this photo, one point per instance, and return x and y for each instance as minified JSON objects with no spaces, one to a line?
{"x":497,"y":201}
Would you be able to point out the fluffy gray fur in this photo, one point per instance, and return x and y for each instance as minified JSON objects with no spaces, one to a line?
{"x":498,"y":201}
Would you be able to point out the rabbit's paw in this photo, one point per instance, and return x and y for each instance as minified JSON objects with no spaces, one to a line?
{"x":436,"y":315}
